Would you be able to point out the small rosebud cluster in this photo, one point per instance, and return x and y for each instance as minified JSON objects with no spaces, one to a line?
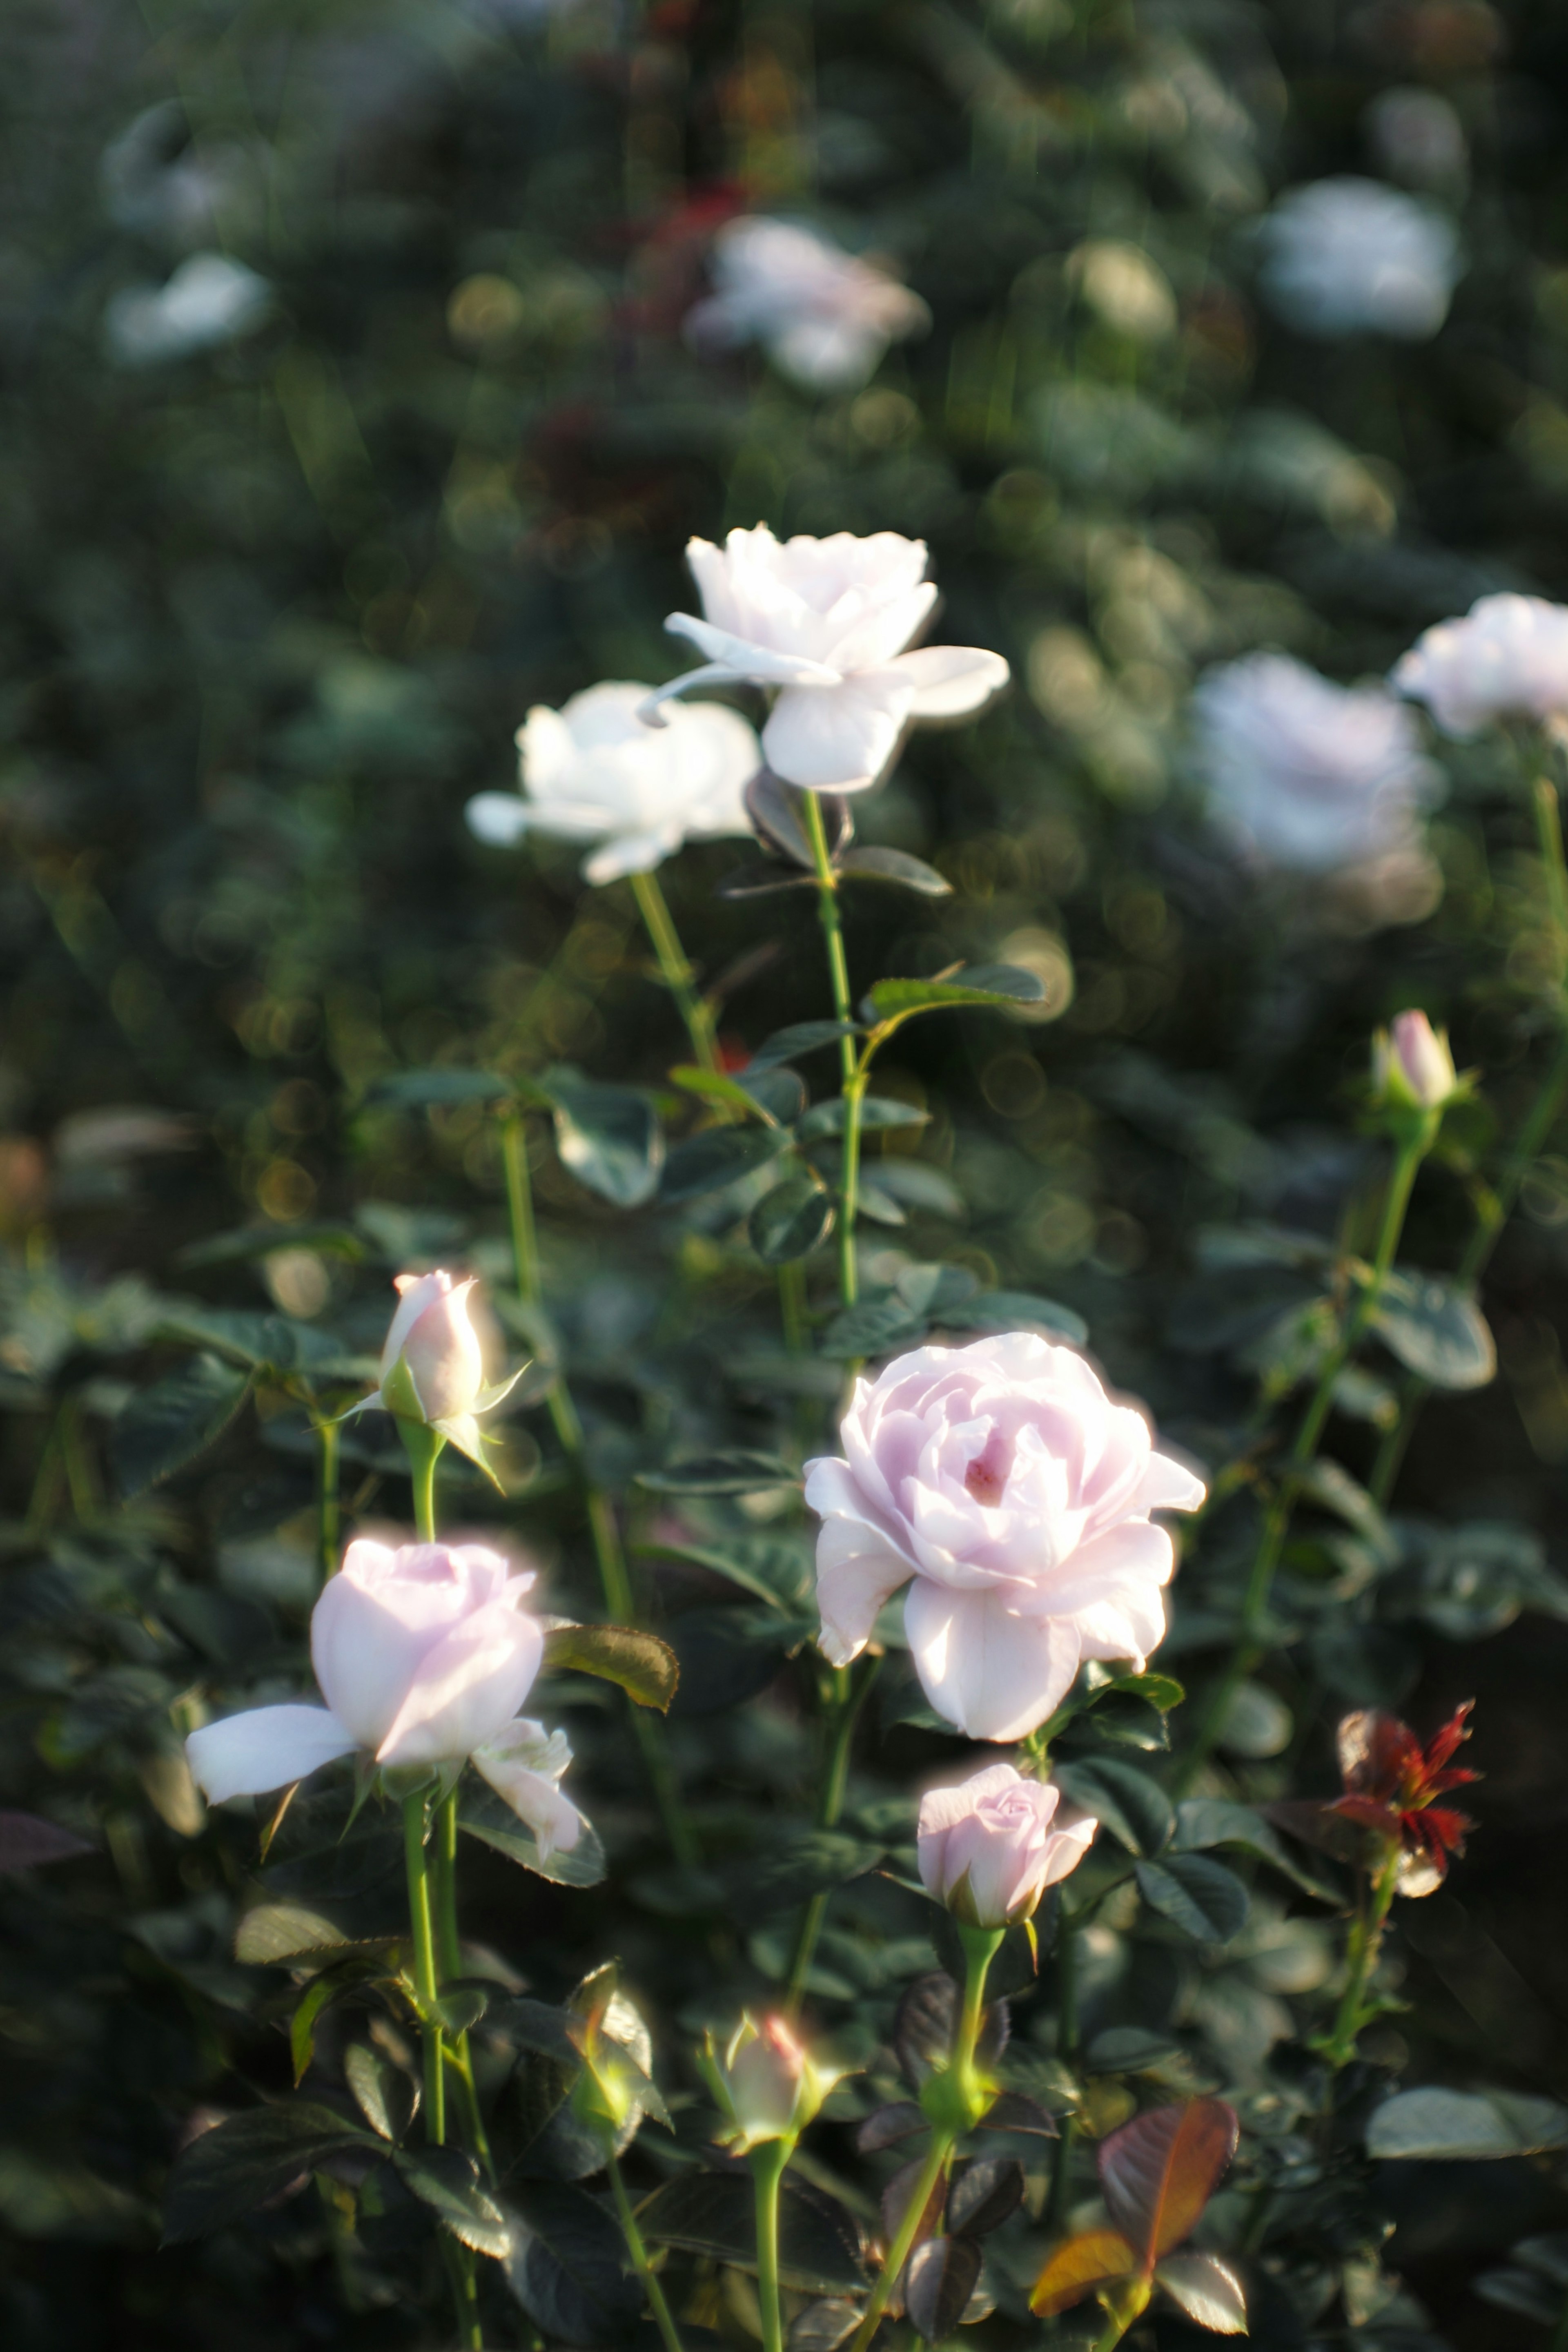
{"x":766,"y":2082}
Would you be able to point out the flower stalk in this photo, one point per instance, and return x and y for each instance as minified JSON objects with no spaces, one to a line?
{"x":856,"y":1078}
{"x":653,"y":2287}
{"x":847,"y":1694}
{"x":678,"y":977}
{"x":767,"y":2162}
{"x":1362,"y":1956}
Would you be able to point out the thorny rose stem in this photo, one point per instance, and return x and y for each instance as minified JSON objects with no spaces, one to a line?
{"x":614,"y":1581}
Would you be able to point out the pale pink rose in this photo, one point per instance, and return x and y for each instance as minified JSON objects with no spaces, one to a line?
{"x":767,"y":2080}
{"x":425,"y":1654}
{"x":1412,"y":1060}
{"x":990,"y":1847}
{"x":1016,"y":1493}
{"x":431,"y":1361}
{"x":1508,"y":659}
{"x":826,"y":620}
{"x":824,"y":317}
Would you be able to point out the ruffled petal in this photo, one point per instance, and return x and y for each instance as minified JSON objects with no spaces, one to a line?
{"x":1169,"y":1485}
{"x":952,"y":681}
{"x":838,"y":738}
{"x":498,"y":819}
{"x":740,"y":657}
{"x":990,"y":1673}
{"x":467,"y":1688}
{"x":524,"y":1767}
{"x":857,"y":1572}
{"x":266,"y":1749}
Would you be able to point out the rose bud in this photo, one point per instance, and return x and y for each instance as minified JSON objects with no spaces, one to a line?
{"x":990,"y":1847}
{"x":432,"y":1367}
{"x":766,"y":2082}
{"x":1412,"y":1068}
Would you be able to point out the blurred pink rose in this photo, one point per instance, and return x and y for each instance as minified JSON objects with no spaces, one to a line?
{"x":425,"y":1654}
{"x":432,"y":1367}
{"x":1508,"y":659}
{"x":990,"y":1847}
{"x":1411,"y":1062}
{"x":1016,"y":1493}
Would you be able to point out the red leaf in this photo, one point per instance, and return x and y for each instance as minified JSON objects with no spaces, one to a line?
{"x":1159,"y":2171}
{"x":1078,"y":2266}
{"x":1375,"y":1751}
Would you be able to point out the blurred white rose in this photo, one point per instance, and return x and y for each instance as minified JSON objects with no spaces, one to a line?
{"x":826,"y":622}
{"x":593,"y":772}
{"x":1304,"y":774}
{"x":159,"y":182}
{"x":208,"y":301}
{"x":823,"y":317}
{"x":1508,"y":659}
{"x":1351,"y":256}
{"x":1416,"y":137}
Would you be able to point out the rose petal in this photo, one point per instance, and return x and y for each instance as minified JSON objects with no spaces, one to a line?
{"x":990,"y":1673}
{"x":857,"y":1574}
{"x":248,"y":1755}
{"x":838,"y":738}
{"x":951,"y":681}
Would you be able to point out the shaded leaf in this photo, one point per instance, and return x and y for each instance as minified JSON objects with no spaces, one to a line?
{"x":1000,"y":984}
{"x":566,"y":2265}
{"x":791,"y":1220}
{"x":1201,"y":1898}
{"x":1014,"y":1310}
{"x":1208,"y":2290}
{"x":820,"y":2249}
{"x":1074,"y":2269}
{"x":792,"y":1869}
{"x":485,"y":1816}
{"x":938,"y":2280}
{"x":718,"y":1156}
{"x":1014,"y":2111}
{"x":727,"y":1654}
{"x":1159,"y":2172}
{"x":447,"y":2179}
{"x":737,"y":1472}
{"x":168,"y":1425}
{"x":439,"y":1089}
{"x":889,"y":2124}
{"x":1205,"y":1822}
{"x":26,"y":1841}
{"x":1435,"y":1329}
{"x":1128,"y":2050}
{"x":250,"y":2157}
{"x":608,"y":1137}
{"x":824,"y":2324}
{"x":878,"y":1114}
{"x":387,"y":2097}
{"x":288,"y":1933}
{"x":878,"y":864}
{"x":1435,"y":2123}
{"x":761,"y":877}
{"x":776,"y":809}
{"x":800,"y":1037}
{"x":873,"y":1327}
{"x":643,"y":1666}
{"x":1126,"y":1802}
{"x":984,"y":2194}
{"x":924,"y":2022}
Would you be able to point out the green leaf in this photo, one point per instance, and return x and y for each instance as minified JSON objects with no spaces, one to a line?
{"x":774,"y":1568}
{"x":1332,"y":1489}
{"x":1436,"y":1330}
{"x":896,"y":865}
{"x":1208,"y":2290}
{"x":568,"y":2265}
{"x":720,"y":1156}
{"x":643,"y":1666}
{"x":793,"y":1869}
{"x":485,"y":1816}
{"x":608,"y":1137}
{"x":1004,"y":985}
{"x":1205,"y":1822}
{"x":387,"y":2097}
{"x":713,"y":1086}
{"x":250,"y":2157}
{"x":730,"y":1653}
{"x":872,"y":1327}
{"x":289,"y":1934}
{"x":878,"y":1112}
{"x":738,"y":1472}
{"x":800,"y":1037}
{"x":448,"y":2181}
{"x":1201,"y":1898}
{"x":1013,"y":1310}
{"x":820,"y":2249}
{"x":1454,"y":2126}
{"x":1134,"y":1808}
{"x":792,"y":1220}
{"x":170,"y":1424}
{"x":248,"y":1242}
{"x":438,"y":1089}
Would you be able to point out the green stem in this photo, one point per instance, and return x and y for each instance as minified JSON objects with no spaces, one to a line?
{"x":327,"y":1502}
{"x":423,"y":1447}
{"x":767,"y":2163}
{"x":677,"y":972}
{"x":609,"y":1554}
{"x":980,"y":1949}
{"x":651,"y":2288}
{"x":1249,"y":1645}
{"x":425,"y":1982}
{"x":449,"y":1962}
{"x":839,"y":1718}
{"x":1066,"y":2051}
{"x":1361,"y":1959}
{"x":854,"y":1078}
{"x":460,"y":2271}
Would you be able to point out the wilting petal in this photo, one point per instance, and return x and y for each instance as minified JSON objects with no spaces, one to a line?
{"x":951,"y":681}
{"x":989,"y":1674}
{"x":266,"y":1749}
{"x":841,"y":738}
{"x":857,"y":1573}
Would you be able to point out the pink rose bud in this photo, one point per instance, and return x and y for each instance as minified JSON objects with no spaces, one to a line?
{"x":990,"y":1847}
{"x":767,"y":2080}
{"x":1412,"y":1068}
{"x":436,"y":1344}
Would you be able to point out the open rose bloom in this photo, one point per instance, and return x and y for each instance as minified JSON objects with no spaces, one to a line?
{"x":989,"y":1848}
{"x":1508,"y":659}
{"x":593,"y":772}
{"x":424,"y":1655}
{"x":823,"y":317}
{"x":827,"y":622}
{"x":1013,"y":1495}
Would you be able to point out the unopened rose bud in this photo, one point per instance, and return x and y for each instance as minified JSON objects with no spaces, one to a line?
{"x":989,"y":1848}
{"x":766,"y":2082}
{"x":1412,"y":1068}
{"x":432,"y":1367}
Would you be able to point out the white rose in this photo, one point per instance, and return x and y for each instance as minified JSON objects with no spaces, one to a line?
{"x":593,"y":772}
{"x":826,"y":622}
{"x":824,"y":317}
{"x":1508,"y":659}
{"x":209,"y":300}
{"x":1350,"y":256}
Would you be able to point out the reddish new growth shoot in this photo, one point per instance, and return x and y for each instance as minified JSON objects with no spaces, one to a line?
{"x":1392,"y":1785}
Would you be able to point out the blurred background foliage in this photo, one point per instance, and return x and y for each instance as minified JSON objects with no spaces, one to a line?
{"x":292,"y":543}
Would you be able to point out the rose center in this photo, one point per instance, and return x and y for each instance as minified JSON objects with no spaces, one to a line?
{"x":987,"y":1476}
